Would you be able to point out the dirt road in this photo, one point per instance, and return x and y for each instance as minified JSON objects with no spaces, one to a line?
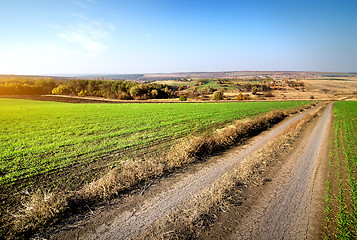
{"x":131,"y":222}
{"x":291,"y":209}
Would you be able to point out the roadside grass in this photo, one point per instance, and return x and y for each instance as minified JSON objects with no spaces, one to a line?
{"x":44,"y":206}
{"x":342,"y":188}
{"x":200,"y":212}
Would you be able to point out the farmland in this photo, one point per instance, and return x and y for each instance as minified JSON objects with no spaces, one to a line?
{"x":81,"y":141}
{"x":341,"y":195}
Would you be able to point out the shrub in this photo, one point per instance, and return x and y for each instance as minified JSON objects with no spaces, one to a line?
{"x":218,"y":95}
{"x":268,"y":94}
{"x":124,"y":96}
{"x":154,"y":93}
{"x":254,"y":90}
{"x":247,"y":97}
{"x":134,"y":91}
{"x":82,"y":93}
{"x":240,"y":97}
{"x":183,"y":98}
{"x":61,"y":89}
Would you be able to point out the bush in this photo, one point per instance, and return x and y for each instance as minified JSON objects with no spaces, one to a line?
{"x":268,"y":94}
{"x":124,"y":96}
{"x":82,"y":93}
{"x":254,"y":90}
{"x":61,"y":89}
{"x":183,"y":98}
{"x":134,"y":91}
{"x":218,"y":95}
{"x":208,"y":89}
{"x":240,"y":97}
{"x":247,"y":97}
{"x":154,"y":93}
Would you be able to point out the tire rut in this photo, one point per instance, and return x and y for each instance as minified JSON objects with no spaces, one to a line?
{"x":288,"y":208}
{"x":130,"y":223}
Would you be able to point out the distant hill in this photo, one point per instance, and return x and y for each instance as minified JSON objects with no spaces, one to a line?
{"x":111,"y":76}
{"x":151,"y":77}
{"x":11,"y":76}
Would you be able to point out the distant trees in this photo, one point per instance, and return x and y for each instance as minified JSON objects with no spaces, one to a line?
{"x":129,"y":90}
{"x":114,"y":89}
{"x":208,"y":89}
{"x":202,"y":81}
{"x":26,"y":86}
{"x":79,"y":87}
{"x":295,"y":84}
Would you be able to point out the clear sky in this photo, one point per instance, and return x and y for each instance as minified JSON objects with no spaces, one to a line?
{"x":146,"y":36}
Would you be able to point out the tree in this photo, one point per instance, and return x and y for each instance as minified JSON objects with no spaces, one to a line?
{"x":61,"y":89}
{"x":217,"y":95}
{"x":254,"y":90}
{"x":154,"y":93}
{"x":134,"y":91}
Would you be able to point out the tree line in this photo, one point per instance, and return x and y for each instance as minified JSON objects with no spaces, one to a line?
{"x":79,"y":87}
{"x":26,"y":86}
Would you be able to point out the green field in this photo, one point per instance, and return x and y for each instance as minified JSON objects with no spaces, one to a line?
{"x":213,"y":84}
{"x":341,"y":196}
{"x":77,"y":142}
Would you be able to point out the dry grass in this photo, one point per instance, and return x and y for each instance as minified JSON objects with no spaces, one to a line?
{"x":44,"y":207}
{"x":185,"y":151}
{"x":198,"y":213}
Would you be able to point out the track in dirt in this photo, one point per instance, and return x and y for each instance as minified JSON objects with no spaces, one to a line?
{"x":289,"y":210}
{"x":133,"y":221}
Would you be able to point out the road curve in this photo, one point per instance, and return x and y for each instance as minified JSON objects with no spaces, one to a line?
{"x":130,"y":223}
{"x":286,"y":209}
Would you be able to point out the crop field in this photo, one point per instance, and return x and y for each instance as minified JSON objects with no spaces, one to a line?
{"x":341,"y":196}
{"x":63,"y":145}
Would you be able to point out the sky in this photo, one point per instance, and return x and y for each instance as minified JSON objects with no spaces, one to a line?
{"x":162,"y":36}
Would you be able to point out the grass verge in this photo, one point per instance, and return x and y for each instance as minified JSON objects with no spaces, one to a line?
{"x":198,"y":213}
{"x":44,"y":206}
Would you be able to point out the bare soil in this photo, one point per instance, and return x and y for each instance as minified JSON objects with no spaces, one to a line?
{"x":129,"y":215}
{"x":288,"y":202}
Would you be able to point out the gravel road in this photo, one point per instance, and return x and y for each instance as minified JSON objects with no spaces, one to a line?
{"x":130,"y":223}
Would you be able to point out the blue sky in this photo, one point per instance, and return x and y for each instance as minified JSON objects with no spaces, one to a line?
{"x":146,"y":36}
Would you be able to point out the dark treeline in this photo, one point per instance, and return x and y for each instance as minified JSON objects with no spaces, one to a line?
{"x":110,"y":89}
